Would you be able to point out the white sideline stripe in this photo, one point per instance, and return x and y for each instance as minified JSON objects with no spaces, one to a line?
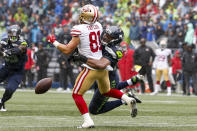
{"x":106,"y":123}
{"x":161,"y":125}
{"x":54,"y":91}
{"x":26,"y":90}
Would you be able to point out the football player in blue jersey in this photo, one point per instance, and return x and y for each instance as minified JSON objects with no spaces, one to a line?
{"x":111,"y":38}
{"x":13,"y":50}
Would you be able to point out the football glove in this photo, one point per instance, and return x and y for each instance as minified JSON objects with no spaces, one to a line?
{"x":76,"y":57}
{"x":135,"y":79}
{"x":7,"y":53}
{"x":2,"y":45}
{"x":51,"y":38}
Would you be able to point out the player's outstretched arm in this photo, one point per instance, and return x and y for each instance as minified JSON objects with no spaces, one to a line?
{"x":64,"y":48}
{"x":98,"y":64}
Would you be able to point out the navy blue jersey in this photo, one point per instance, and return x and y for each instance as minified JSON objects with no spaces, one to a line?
{"x":108,"y":56}
{"x":17,"y":60}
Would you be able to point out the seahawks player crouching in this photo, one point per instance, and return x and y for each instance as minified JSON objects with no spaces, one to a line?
{"x":13,"y":50}
{"x":111,"y":38}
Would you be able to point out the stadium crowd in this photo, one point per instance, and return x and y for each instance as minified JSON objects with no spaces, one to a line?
{"x":152,"y":20}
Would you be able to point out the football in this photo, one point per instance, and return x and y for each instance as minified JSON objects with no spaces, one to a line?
{"x":43,"y":85}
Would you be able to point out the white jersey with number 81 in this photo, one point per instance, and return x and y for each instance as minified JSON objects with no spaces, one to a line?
{"x":90,"y":43}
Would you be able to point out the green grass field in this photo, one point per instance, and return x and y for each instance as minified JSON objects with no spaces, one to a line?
{"x":57,"y":112}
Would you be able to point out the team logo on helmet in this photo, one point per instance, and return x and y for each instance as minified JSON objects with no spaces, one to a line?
{"x":88,"y":14}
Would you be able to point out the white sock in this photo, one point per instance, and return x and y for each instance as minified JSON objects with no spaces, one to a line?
{"x":129,"y":82}
{"x":125,"y":98}
{"x":169,"y":89}
{"x":86,"y":116}
{"x":157,"y":88}
{"x":123,"y":102}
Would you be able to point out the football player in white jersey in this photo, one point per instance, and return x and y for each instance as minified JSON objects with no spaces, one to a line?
{"x":161,"y":64}
{"x":86,"y":37}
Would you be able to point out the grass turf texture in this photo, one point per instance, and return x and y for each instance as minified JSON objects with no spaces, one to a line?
{"x":57,"y":112}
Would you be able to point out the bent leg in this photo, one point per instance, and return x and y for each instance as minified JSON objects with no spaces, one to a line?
{"x":100,"y":104}
{"x":84,"y":81}
{"x":13,"y":83}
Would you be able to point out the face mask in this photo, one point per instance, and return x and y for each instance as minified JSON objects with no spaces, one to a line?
{"x":13,"y":38}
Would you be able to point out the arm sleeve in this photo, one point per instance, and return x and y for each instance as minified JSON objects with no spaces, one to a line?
{"x":107,"y":55}
{"x":75,"y":31}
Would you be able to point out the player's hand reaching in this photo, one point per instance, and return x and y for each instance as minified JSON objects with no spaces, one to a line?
{"x":51,"y":38}
{"x":135,"y":79}
{"x":76,"y":57}
{"x":7,"y":53}
{"x":2,"y":44}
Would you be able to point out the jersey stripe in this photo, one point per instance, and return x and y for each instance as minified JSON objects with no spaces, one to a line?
{"x":75,"y":31}
{"x":75,"y":34}
{"x":80,"y":81}
{"x":94,"y":14}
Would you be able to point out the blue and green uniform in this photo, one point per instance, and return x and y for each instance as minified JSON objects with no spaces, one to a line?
{"x":12,"y":69}
{"x":99,"y":103}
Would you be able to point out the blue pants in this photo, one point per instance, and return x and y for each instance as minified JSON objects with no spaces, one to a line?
{"x":99,"y":103}
{"x":14,"y":78}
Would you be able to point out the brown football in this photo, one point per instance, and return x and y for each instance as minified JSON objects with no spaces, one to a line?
{"x":43,"y":85}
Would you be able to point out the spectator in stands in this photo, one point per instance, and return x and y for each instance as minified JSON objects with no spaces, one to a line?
{"x":159,"y":32}
{"x":126,"y":29}
{"x":66,"y":19}
{"x":183,"y":8}
{"x":34,"y":33}
{"x":189,"y":64}
{"x":20,"y":16}
{"x":180,"y":37}
{"x":190,"y":34}
{"x":172,"y":40}
{"x":151,"y":32}
{"x":42,"y":62}
{"x":143,"y":30}
{"x":134,"y":34}
{"x":169,"y":29}
{"x":64,"y":36}
{"x":144,"y":56}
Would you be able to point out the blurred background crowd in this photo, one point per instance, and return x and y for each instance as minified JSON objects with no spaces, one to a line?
{"x":152,"y":20}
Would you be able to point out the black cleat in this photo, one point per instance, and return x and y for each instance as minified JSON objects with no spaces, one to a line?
{"x":135,"y":97}
{"x":2,"y":106}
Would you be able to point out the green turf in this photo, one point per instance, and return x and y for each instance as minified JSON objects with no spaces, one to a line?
{"x":57,"y":112}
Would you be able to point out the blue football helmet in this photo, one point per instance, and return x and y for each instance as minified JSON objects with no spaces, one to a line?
{"x":14,"y":32}
{"x":112,"y":35}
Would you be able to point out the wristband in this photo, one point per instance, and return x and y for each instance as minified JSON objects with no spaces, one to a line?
{"x":56,"y":43}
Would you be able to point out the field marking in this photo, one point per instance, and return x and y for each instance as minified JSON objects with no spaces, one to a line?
{"x":91,"y":92}
{"x":62,"y":122}
{"x":150,"y":125}
{"x":162,"y":101}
